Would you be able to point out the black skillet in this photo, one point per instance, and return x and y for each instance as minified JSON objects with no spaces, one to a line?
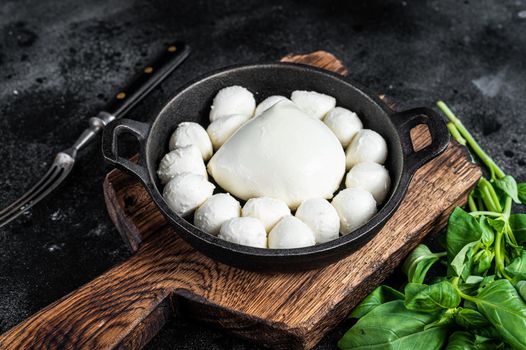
{"x":192,"y":103}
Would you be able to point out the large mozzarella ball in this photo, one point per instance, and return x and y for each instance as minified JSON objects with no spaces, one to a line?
{"x":190,"y":133}
{"x":244,"y":230}
{"x":267,"y":210}
{"x":185,"y":192}
{"x":267,"y":103}
{"x":313,"y":103}
{"x":215,"y":211}
{"x":181,"y":160}
{"x":343,"y":123}
{"x":366,"y":146}
{"x":355,"y":207}
{"x":321,"y":217}
{"x":369,"y":176}
{"x":232,"y":100}
{"x":290,"y":232}
{"x":221,"y":129}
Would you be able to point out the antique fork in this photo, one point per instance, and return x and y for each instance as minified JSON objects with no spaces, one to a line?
{"x":151,"y":76}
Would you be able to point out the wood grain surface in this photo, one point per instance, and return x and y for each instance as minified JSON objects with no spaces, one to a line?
{"x":127,"y":305}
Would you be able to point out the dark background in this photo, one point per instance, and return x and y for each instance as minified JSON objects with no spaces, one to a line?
{"x":60,"y":61}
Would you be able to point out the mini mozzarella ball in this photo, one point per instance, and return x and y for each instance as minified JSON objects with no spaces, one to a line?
{"x":366,"y":146}
{"x":181,"y":160}
{"x":215,"y":211}
{"x":221,"y":129}
{"x":232,"y":100}
{"x":372,"y":177}
{"x":267,"y":103}
{"x":190,"y":133}
{"x":355,"y":207}
{"x":321,"y":217}
{"x":267,"y":210}
{"x":343,"y":123}
{"x":290,"y":232}
{"x":313,"y":103}
{"x":244,"y":230}
{"x":185,"y":192}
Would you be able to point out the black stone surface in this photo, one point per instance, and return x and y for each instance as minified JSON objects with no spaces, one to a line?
{"x":60,"y":61}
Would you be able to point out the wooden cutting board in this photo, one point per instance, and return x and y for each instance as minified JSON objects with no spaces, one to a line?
{"x":126,"y":306}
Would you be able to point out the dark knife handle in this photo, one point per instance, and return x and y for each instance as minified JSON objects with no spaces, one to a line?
{"x":173,"y":55}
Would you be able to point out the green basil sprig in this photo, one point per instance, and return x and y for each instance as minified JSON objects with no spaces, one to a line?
{"x":480,"y":303}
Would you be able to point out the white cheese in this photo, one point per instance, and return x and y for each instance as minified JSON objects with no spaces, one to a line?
{"x":372,"y":177}
{"x":313,"y":103}
{"x":290,"y":232}
{"x":190,"y":133}
{"x":366,"y":146}
{"x":321,"y":217}
{"x":215,"y":211}
{"x":232,"y":100}
{"x":221,"y":129}
{"x":343,"y":123}
{"x":244,"y":230}
{"x":268,"y":210}
{"x":267,"y":103}
{"x":355,"y":207}
{"x":181,"y":160}
{"x":185,"y":192}
{"x":281,"y":154}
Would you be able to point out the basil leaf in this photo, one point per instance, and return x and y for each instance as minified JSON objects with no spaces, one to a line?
{"x":462,"y":263}
{"x":418,"y":263}
{"x":517,"y":267}
{"x":380,"y":295}
{"x":500,"y":303}
{"x":518,"y":226}
{"x":462,"y":229}
{"x":462,"y":340}
{"x":470,"y":319}
{"x":521,"y":190}
{"x":483,"y":262}
{"x":509,"y":186}
{"x":421,"y":297}
{"x":487,"y":232}
{"x":521,"y":288}
{"x":392,"y":325}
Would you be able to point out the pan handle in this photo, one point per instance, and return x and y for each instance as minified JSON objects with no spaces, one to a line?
{"x":407,"y":120}
{"x":110,"y":148}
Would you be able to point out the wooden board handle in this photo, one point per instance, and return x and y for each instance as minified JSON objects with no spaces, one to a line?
{"x":114,"y":310}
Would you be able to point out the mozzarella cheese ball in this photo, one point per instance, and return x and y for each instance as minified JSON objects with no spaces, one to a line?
{"x":366,"y":146}
{"x":313,"y":103}
{"x":245,"y":231}
{"x":321,"y":217}
{"x":232,"y":100}
{"x":355,"y":207}
{"x":181,"y":160}
{"x":267,"y":210}
{"x":267,"y":103}
{"x":221,"y":129}
{"x":343,"y":123}
{"x":185,"y":192}
{"x":190,"y":133}
{"x":372,"y":177}
{"x":283,"y":154}
{"x":215,"y":211}
{"x":290,"y":232}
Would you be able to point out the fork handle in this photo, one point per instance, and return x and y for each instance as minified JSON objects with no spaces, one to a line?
{"x":127,"y":98}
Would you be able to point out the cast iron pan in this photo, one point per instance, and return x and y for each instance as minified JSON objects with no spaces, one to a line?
{"x":192,"y":103}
